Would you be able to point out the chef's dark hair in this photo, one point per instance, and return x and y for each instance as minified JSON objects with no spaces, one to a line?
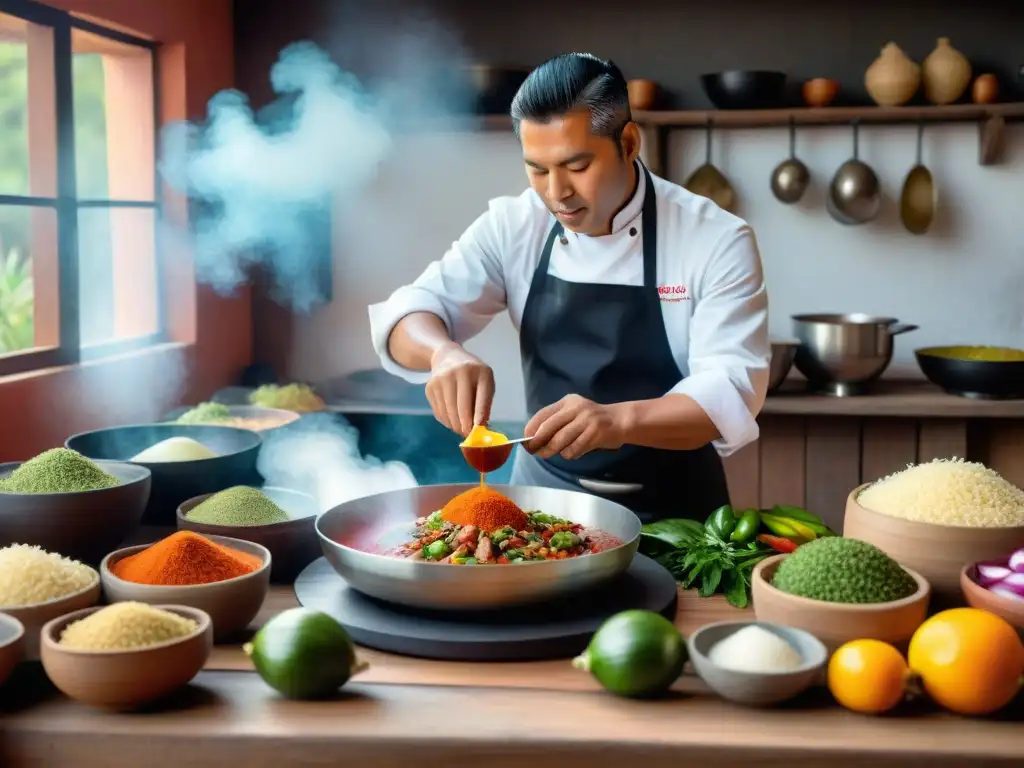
{"x":575,"y":81}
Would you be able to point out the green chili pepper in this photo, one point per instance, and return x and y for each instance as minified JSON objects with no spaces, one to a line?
{"x":746,"y":527}
{"x":564,"y":540}
{"x":436,"y":550}
{"x":722,"y":522}
{"x":502,"y":534}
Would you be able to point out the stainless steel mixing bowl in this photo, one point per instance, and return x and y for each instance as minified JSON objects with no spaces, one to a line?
{"x":842,"y":354}
{"x":386,"y":519}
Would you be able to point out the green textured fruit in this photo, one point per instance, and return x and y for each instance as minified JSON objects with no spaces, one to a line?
{"x":839,"y":570}
{"x":636,"y":654}
{"x":304,"y":654}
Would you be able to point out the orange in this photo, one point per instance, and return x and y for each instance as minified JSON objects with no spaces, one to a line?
{"x":970,"y":661}
{"x":868,"y":676}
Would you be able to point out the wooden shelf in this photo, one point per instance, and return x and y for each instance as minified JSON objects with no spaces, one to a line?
{"x":890,"y":399}
{"x":766,"y":118}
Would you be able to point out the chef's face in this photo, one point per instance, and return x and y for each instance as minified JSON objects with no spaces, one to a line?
{"x":582,"y":178}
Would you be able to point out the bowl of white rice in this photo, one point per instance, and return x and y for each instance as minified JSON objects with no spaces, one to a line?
{"x":937,"y":517}
{"x":36,"y":586}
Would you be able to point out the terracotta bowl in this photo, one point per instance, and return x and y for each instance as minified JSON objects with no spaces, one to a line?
{"x":126,"y":679}
{"x":82,"y":525}
{"x":33,"y":617}
{"x":231,"y":604}
{"x":293,"y":544}
{"x":979,"y":597}
{"x":937,"y":552}
{"x":757,"y":688}
{"x":820,"y":91}
{"x":642,"y":94}
{"x":838,"y":623}
{"x":12,"y":645}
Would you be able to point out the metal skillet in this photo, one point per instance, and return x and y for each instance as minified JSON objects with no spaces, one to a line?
{"x":385,"y":519}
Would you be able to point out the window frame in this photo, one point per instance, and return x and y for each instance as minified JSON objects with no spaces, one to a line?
{"x":67,"y":204}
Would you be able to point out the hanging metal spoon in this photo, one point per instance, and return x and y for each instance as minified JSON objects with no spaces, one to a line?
{"x":790,"y":177}
{"x":855,"y":195}
{"x":707,"y":181}
{"x":919,"y":197}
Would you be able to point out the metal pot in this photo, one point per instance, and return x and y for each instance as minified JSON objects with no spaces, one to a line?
{"x":783,"y":353}
{"x":841,"y":354}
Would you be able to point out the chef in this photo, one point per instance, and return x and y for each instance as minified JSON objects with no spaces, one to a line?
{"x":641,"y":309}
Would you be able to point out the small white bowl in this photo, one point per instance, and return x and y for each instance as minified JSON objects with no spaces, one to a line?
{"x":757,"y":689}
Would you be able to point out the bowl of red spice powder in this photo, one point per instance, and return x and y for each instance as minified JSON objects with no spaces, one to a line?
{"x":227,"y":578}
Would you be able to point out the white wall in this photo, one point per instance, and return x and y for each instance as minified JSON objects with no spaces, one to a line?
{"x":962,"y":283}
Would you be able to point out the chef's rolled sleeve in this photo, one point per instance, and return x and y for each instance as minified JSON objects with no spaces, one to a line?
{"x":465,"y":289}
{"x":730,"y":350}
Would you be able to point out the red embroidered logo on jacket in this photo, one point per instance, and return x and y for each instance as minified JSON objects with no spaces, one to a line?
{"x":673,"y":293}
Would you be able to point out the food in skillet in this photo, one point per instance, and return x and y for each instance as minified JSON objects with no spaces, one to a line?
{"x":483,"y":527}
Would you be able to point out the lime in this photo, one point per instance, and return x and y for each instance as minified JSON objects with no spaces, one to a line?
{"x":638,"y":654}
{"x":304,"y":654}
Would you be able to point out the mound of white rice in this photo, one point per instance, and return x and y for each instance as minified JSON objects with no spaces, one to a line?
{"x":947,"y":492}
{"x":30,"y":575}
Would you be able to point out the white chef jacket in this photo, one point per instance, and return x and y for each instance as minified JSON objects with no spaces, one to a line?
{"x":710,"y":283}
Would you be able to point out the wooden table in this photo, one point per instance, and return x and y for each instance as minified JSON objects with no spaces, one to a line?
{"x":412,"y":712}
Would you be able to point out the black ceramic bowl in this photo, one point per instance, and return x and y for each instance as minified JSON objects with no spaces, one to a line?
{"x":293,"y":544}
{"x":745,"y":89}
{"x":963,"y":371}
{"x":176,"y":481}
{"x":82,"y":525}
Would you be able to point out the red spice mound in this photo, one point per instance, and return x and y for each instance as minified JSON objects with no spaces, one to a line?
{"x":185,"y":558}
{"x":486,"y":509}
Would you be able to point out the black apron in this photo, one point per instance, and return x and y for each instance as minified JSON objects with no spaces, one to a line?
{"x":608,"y":343}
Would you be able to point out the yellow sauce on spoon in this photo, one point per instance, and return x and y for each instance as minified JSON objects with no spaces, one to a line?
{"x":482,"y":437}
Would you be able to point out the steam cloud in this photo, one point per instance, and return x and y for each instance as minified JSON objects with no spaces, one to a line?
{"x":268,"y":189}
{"x":319,"y":455}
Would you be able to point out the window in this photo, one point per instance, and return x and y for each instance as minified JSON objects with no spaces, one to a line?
{"x":79,"y":203}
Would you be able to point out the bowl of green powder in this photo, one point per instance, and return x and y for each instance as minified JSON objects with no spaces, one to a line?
{"x":64,"y":502}
{"x":280,"y":519}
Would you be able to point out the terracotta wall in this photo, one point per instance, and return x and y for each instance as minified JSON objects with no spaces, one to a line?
{"x":212,"y":334}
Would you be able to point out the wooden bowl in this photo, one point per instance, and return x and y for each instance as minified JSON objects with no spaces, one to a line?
{"x":642,"y":94}
{"x":12,"y":645}
{"x":979,"y":597}
{"x":126,"y":679}
{"x":757,"y":689}
{"x":82,"y":525}
{"x":34,"y":617}
{"x":231,"y":604}
{"x":837,"y":623}
{"x":293,"y":544}
{"x":820,"y":91}
{"x":937,"y":552}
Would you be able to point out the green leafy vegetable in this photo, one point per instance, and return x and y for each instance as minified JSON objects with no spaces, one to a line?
{"x":719,"y":556}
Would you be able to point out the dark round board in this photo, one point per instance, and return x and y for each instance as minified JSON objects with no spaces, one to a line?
{"x":550,"y":630}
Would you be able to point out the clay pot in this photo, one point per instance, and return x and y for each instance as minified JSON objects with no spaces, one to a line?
{"x":642,"y":94}
{"x":946,"y":73}
{"x":986,"y":89}
{"x":892,"y":79}
{"x":820,"y":92}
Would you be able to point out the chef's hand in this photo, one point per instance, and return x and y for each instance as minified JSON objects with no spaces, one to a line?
{"x":574,"y":426}
{"x":460,"y":389}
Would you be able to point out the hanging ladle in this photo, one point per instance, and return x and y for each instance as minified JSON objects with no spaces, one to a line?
{"x":790,"y":177}
{"x":707,"y":181}
{"x":854,"y":196}
{"x":919,"y":197}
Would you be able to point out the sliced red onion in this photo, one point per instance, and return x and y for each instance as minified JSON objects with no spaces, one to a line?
{"x":1014,"y":581}
{"x":1007,"y":592}
{"x":989,"y":574}
{"x":1017,"y":561}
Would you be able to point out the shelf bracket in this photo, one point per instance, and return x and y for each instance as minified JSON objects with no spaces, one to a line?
{"x":991,"y":140}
